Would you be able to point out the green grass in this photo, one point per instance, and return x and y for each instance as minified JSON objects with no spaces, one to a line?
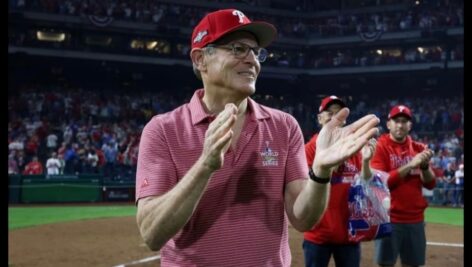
{"x":20,"y":217}
{"x":445,"y":216}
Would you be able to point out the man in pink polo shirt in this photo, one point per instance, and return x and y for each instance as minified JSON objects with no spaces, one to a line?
{"x":220,"y":177}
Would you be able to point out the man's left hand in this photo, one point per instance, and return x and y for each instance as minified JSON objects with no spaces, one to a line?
{"x":335,"y":144}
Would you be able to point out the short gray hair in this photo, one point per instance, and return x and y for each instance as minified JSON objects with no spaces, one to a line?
{"x":209,"y":50}
{"x":196,"y":71}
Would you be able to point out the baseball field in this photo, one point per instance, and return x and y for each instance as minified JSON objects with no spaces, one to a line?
{"x":107,"y":235}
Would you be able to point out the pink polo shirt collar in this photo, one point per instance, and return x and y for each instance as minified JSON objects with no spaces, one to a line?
{"x":199,"y":114}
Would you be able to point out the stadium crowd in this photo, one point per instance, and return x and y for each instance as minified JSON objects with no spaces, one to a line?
{"x":74,"y":131}
{"x":427,"y":15}
{"x":57,"y":130}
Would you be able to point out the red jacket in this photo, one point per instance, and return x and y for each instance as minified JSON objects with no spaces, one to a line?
{"x":33,"y":168}
{"x":333,"y":226}
{"x":407,"y":201}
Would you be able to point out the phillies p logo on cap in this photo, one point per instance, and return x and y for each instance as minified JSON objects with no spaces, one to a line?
{"x":400,"y":110}
{"x":217,"y":24}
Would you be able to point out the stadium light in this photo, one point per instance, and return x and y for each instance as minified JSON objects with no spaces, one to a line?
{"x":137,"y":44}
{"x":151,"y":45}
{"x":50,"y":36}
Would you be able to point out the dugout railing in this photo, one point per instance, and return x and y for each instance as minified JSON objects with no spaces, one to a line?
{"x":84,"y":188}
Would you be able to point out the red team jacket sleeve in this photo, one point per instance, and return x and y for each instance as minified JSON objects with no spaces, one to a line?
{"x":310,"y":149}
{"x":380,"y":161}
{"x":430,"y":185}
{"x":419,"y":147}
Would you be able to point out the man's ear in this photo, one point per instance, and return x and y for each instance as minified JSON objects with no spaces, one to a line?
{"x":198,"y":58}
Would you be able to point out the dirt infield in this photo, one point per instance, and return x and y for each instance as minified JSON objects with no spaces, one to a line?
{"x":116,"y":241}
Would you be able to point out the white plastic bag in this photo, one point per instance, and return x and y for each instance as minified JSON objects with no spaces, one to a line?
{"x":369,"y":204}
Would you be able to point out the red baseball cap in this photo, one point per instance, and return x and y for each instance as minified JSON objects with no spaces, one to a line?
{"x":400,"y":110}
{"x":219,"y":23}
{"x":330,"y":100}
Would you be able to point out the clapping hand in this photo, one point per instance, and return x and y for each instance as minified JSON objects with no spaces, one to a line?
{"x":368,"y":150}
{"x":335,"y":143}
{"x":422,"y":158}
{"x":218,"y":137}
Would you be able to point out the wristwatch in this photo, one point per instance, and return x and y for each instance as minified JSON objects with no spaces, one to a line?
{"x":318,"y":179}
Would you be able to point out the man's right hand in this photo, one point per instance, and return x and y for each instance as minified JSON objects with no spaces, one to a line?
{"x":421,"y":158}
{"x":218,"y":138}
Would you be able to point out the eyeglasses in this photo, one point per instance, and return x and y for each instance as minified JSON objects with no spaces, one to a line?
{"x":241,"y":50}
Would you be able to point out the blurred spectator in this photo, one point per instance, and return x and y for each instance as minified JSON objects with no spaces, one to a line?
{"x":459,"y":194}
{"x":34,"y":167}
{"x":62,"y":163}
{"x":12,"y":164}
{"x":52,"y":142}
{"x":92,"y":162}
{"x":110,"y":150}
{"x":449,"y":185}
{"x":53,"y":164}
{"x":70,"y":156}
{"x":16,"y":145}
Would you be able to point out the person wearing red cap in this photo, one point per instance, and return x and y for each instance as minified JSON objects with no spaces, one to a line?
{"x":407,"y":163}
{"x":219,"y":178}
{"x":329,"y":237}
